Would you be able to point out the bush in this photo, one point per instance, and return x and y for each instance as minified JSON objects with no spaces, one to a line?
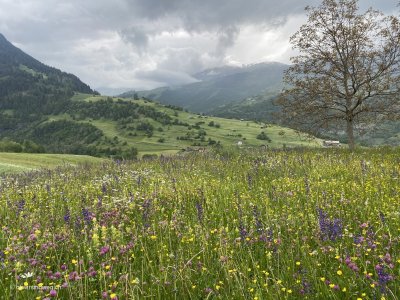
{"x":263,"y":136}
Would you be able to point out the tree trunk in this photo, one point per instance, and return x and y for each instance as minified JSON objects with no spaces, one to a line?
{"x":350,"y":134}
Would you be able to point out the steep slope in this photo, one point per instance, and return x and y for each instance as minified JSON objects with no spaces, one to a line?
{"x":29,"y":89}
{"x":15,"y":64}
{"x":220,"y":86}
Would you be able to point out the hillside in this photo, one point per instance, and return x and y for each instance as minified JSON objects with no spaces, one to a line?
{"x":154,"y":128}
{"x":105,"y":126}
{"x":262,"y":108}
{"x":248,"y":93}
{"x":220,"y":86}
{"x":43,"y":109}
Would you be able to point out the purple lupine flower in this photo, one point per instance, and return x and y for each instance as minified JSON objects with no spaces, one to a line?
{"x":241,"y":227}
{"x":242,"y":231}
{"x":336,"y":229}
{"x":200,"y":212}
{"x":67,"y":216}
{"x":20,"y":206}
{"x":249,"y":180}
{"x":383,"y":277}
{"x":382,"y":217}
{"x":146,"y":212}
{"x":307,"y":287}
{"x":104,"y":188}
{"x":358,"y":239}
{"x":329,"y":229}
{"x":257,"y":218}
{"x":87,"y":216}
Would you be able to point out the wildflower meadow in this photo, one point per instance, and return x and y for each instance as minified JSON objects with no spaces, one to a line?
{"x":284,"y":224}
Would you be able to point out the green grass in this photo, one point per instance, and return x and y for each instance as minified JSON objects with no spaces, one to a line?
{"x":278,"y":224}
{"x":230,"y":132}
{"x":19,"y":162}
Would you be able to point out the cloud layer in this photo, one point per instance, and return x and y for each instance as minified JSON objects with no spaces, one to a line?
{"x":136,"y":44}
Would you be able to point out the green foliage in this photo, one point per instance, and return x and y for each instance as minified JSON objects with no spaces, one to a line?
{"x":264,"y":137}
{"x":27,"y":146}
{"x":66,"y":136}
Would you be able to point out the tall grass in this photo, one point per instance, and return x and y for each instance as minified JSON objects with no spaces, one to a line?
{"x":288,"y":224}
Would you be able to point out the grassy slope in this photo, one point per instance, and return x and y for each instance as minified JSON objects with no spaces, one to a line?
{"x":19,"y":162}
{"x":227,"y":134}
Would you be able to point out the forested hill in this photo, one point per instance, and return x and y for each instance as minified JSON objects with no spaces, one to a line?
{"x":20,"y":72}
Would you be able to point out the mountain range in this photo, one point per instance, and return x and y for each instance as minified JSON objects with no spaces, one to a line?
{"x":220,"y":86}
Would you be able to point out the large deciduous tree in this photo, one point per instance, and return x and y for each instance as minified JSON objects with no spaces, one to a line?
{"x":347,"y":71}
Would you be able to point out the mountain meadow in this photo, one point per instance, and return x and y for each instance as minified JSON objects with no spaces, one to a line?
{"x":282,"y":224}
{"x":266,"y":181}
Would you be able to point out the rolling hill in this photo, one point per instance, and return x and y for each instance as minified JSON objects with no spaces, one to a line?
{"x":43,"y":109}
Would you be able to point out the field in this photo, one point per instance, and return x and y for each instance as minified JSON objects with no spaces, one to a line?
{"x":175,"y":137}
{"x":275,"y":224}
{"x":21,"y":162}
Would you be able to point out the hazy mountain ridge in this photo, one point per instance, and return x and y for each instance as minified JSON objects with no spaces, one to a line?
{"x":219,"y":86}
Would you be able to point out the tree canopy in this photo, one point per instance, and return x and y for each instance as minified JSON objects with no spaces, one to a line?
{"x":347,"y":71}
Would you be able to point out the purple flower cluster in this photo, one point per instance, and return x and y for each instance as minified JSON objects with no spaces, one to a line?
{"x":87,"y":216}
{"x":104,"y":250}
{"x":351,"y":264}
{"x":329,"y":229}
{"x":67,"y":216}
{"x":146,"y":212}
{"x":200,"y":212}
{"x":383,"y":276}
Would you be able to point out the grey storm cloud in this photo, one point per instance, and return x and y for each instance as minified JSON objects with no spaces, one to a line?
{"x":226,"y":39}
{"x":123,"y":43}
{"x":135,"y":36}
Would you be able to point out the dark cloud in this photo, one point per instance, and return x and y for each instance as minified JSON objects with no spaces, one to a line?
{"x":226,"y":39}
{"x":112,"y":43}
{"x":137,"y":37}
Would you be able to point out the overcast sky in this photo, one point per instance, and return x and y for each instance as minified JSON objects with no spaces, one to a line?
{"x":142,"y":44}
